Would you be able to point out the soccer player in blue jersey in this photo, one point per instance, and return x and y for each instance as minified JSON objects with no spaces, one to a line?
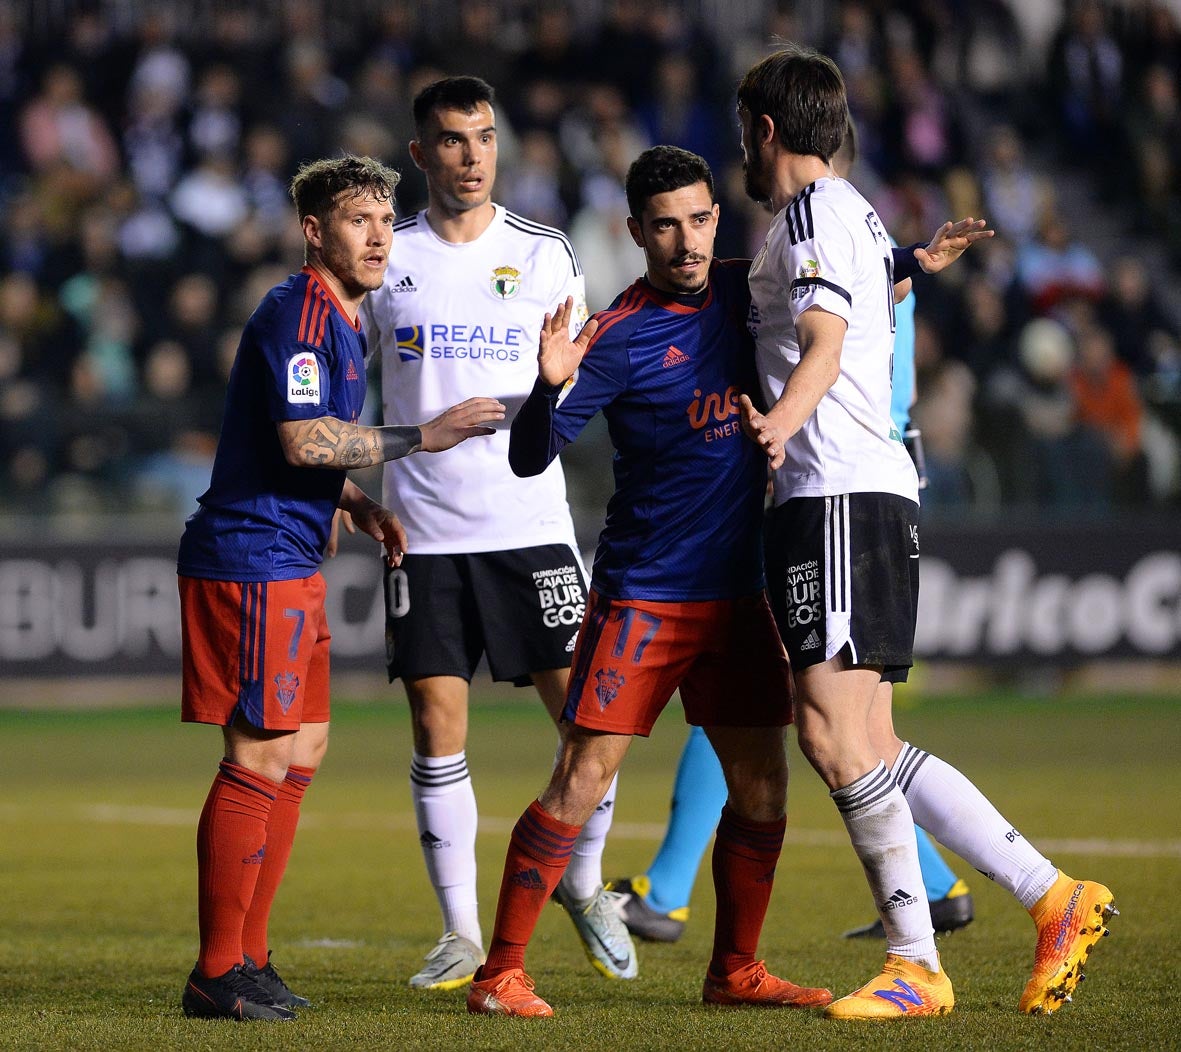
{"x":677,"y":586}
{"x":657,"y":904}
{"x":254,"y":635}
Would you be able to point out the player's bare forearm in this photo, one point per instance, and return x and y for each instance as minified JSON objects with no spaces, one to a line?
{"x":327,"y":442}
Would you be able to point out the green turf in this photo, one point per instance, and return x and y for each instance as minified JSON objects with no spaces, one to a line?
{"x":98,"y":916}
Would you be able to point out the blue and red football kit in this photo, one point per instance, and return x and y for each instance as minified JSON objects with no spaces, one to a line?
{"x":249,"y":555}
{"x":261,"y":518}
{"x":677,"y":579}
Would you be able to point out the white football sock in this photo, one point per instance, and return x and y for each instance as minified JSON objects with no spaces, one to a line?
{"x":882,"y":831}
{"x":584,"y":874}
{"x":445,"y":806}
{"x":961,"y":818}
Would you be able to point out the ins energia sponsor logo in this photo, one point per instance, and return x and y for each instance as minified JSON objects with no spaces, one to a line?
{"x":715,"y":415}
{"x":802,"y":594}
{"x":560,"y":595}
{"x":476,"y":343}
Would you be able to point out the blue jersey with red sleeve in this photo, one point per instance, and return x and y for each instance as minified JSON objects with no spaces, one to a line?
{"x":261,"y":518}
{"x":666,"y":371}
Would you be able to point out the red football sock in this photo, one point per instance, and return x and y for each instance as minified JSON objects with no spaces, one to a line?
{"x":744,"y":859}
{"x":231,"y":846}
{"x":281,"y":825}
{"x":538,"y":853}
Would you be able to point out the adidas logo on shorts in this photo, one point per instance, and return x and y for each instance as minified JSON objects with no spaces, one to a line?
{"x":570,"y":644}
{"x":812,"y":642}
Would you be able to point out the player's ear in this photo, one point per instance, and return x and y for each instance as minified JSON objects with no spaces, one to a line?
{"x":764,"y":129}
{"x":311,"y":231}
{"x":416,"y":155}
{"x":633,"y":228}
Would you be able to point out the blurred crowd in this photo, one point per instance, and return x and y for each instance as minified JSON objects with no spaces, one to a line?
{"x":144,"y":165}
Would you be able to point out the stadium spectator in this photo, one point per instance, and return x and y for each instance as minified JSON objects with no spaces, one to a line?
{"x":1106,"y":400}
{"x":1133,"y":313}
{"x":679,"y":113}
{"x":477,"y":43}
{"x":1055,"y":266}
{"x":135,"y":64}
{"x":66,"y":140}
{"x":1015,"y":197}
{"x":1086,"y":74}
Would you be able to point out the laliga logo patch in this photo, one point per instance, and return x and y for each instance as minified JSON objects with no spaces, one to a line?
{"x":506,"y":282}
{"x":810,"y":269}
{"x":408,"y":341}
{"x":303,"y":373}
{"x":286,"y":684}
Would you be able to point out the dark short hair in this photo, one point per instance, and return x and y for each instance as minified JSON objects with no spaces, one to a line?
{"x":849,"y":143}
{"x":318,"y":185}
{"x":803,"y":93}
{"x":451,"y":93}
{"x":661,"y":169}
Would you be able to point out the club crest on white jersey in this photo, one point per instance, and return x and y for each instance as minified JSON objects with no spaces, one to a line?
{"x":505,"y":283}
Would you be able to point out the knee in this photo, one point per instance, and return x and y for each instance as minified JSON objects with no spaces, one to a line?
{"x":758,"y":794}
{"x":823,"y":752}
{"x":439,"y":729}
{"x":272,"y":767}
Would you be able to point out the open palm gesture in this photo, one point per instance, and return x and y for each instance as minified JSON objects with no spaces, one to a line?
{"x":557,"y":355}
{"x":950,"y":242}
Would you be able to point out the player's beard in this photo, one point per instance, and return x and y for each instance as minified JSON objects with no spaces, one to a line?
{"x":691,"y":286}
{"x":350,"y":271}
{"x":755,"y":179}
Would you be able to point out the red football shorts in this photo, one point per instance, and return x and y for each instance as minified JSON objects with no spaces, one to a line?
{"x":725,"y":655}
{"x":259,"y":648}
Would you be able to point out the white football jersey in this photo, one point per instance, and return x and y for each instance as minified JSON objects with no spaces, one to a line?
{"x":828,"y":249}
{"x":457,"y":320}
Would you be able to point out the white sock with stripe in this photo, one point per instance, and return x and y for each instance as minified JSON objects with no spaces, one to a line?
{"x":962,"y":818}
{"x":445,"y":807}
{"x":882,"y":831}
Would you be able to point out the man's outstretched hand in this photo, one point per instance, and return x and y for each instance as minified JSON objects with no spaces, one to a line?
{"x":465,"y":420}
{"x":558,"y":355}
{"x":950,"y":242}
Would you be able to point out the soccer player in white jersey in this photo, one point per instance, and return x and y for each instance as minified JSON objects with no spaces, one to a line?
{"x":493,"y":567}
{"x":843,"y":547}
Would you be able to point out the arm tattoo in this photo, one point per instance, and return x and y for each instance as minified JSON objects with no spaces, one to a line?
{"x":399,"y":440}
{"x":330,"y":443}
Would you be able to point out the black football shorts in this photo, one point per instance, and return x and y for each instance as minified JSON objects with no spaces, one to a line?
{"x":522,"y":608}
{"x":844,"y":571}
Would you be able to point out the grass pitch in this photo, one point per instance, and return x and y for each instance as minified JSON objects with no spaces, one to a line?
{"x":98,"y":913}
